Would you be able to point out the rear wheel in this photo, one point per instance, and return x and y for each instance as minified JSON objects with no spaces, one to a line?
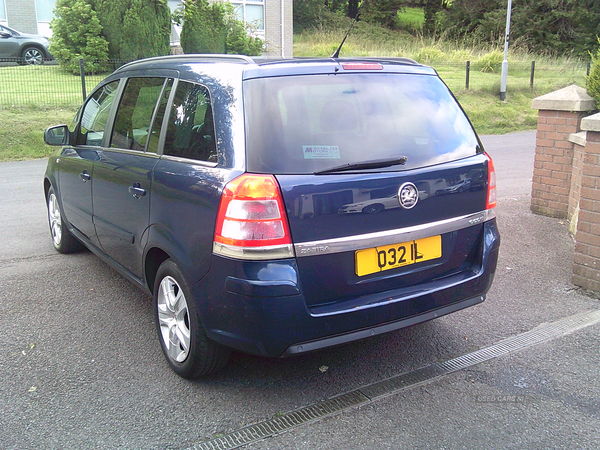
{"x":187,"y":349}
{"x":33,"y":56}
{"x":62,"y":239}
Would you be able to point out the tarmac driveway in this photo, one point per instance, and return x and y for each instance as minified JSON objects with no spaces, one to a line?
{"x":81,"y":367}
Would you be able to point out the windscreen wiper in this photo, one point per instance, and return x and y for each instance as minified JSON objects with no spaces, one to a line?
{"x":373,"y":164}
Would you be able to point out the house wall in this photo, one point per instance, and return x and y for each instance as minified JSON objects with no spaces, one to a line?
{"x":278,"y":39}
{"x":21,"y":15}
{"x":278,"y":23}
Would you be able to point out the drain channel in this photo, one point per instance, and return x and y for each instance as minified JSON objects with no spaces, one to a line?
{"x":365,"y":394}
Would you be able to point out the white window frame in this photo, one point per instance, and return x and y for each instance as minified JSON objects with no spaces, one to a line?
{"x":242,"y":4}
{"x":2,"y":12}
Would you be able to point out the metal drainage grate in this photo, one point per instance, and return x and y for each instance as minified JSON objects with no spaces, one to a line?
{"x":365,"y":394}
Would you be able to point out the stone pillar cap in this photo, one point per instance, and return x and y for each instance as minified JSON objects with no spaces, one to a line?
{"x":591,"y":123}
{"x":572,"y":98}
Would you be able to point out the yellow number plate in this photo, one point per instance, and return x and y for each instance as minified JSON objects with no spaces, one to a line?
{"x":388,"y":257}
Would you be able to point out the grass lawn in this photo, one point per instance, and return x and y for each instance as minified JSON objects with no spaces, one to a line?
{"x":412,"y":18}
{"x":22,"y":131}
{"x":35,"y":97}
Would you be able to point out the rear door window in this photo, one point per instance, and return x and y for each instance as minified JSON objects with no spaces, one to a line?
{"x":134,"y":116}
{"x":304,"y":124}
{"x":190,"y":130}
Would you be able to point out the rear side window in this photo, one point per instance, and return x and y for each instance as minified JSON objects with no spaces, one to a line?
{"x":95,"y":114}
{"x":191,"y":130}
{"x":134,"y":116}
{"x":304,"y":124}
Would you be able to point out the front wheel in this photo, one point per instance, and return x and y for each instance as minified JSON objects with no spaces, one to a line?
{"x":187,"y":349}
{"x":33,"y":56}
{"x":62,"y":239}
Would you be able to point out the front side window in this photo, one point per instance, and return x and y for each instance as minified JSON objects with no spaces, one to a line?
{"x":306,"y":124}
{"x":191,"y":130}
{"x":134,"y":116}
{"x":95,"y":115}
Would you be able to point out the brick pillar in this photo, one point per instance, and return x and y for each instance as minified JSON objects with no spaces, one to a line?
{"x":559,"y":116}
{"x":586,"y":263}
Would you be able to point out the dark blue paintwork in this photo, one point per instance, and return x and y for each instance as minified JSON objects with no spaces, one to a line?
{"x":268,"y":325}
{"x":135,"y":210}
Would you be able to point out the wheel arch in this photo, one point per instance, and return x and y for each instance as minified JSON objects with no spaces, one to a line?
{"x":154,"y":258}
{"x":47,"y":186}
{"x":36,"y":46}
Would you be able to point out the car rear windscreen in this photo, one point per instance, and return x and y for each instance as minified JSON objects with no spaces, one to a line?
{"x":309,"y":123}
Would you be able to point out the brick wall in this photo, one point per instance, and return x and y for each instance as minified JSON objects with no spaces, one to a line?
{"x":586,"y":264}
{"x":566,"y":175}
{"x":21,"y":15}
{"x":553,"y":162}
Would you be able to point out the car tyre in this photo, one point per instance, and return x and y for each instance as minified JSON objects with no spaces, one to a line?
{"x":62,"y":239}
{"x":33,"y":56}
{"x":189,"y":352}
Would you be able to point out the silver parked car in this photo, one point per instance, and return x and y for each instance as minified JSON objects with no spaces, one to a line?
{"x":31,"y":48}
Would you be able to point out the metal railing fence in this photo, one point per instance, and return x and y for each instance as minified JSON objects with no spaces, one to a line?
{"x":48,"y":85}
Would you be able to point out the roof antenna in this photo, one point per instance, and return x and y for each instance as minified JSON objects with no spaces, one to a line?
{"x":337,"y":52}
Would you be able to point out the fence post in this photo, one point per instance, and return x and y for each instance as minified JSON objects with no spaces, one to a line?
{"x":467,"y":78}
{"x":532,"y":72}
{"x":82,"y":72}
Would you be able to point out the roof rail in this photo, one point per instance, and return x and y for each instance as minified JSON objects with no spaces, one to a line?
{"x":195,"y":57}
{"x":399,"y":59}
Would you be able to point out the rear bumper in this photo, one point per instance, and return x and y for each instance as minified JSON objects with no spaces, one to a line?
{"x":258,"y":307}
{"x":310,"y":346}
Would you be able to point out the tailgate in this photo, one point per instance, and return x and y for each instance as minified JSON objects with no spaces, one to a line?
{"x":353,"y":237}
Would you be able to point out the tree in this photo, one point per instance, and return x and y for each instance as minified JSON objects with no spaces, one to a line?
{"x":593,"y":80}
{"x":135,"y":28}
{"x":309,"y":13}
{"x":214,"y":28}
{"x":382,"y":12}
{"x":430,"y":10}
{"x":204,"y":29}
{"x":549,"y":26}
{"x":146,"y":30}
{"x":76,"y":33}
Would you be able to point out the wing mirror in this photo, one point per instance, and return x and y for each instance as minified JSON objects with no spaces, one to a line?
{"x":57,"y":135}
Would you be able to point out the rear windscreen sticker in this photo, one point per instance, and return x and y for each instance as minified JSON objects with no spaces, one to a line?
{"x":321,"y":151}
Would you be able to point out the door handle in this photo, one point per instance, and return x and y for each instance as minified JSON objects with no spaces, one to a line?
{"x":137,"y":191}
{"x":85,"y":177}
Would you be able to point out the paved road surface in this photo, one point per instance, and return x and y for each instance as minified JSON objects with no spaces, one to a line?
{"x":81,"y":367}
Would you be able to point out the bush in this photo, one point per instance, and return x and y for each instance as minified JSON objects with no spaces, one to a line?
{"x":239,"y":42}
{"x":593,"y":79}
{"x":309,"y":14}
{"x":135,"y":28}
{"x":214,"y":28}
{"x":429,"y":54}
{"x":204,"y":29}
{"x":146,"y":30}
{"x":76,"y":33}
{"x":490,"y":62}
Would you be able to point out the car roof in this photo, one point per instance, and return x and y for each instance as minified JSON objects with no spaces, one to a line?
{"x":257,"y":67}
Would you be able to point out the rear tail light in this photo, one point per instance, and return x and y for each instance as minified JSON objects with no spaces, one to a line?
{"x":251,"y":222}
{"x":491,"y":191}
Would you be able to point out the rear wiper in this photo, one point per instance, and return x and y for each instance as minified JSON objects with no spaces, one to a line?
{"x":373,"y":164}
